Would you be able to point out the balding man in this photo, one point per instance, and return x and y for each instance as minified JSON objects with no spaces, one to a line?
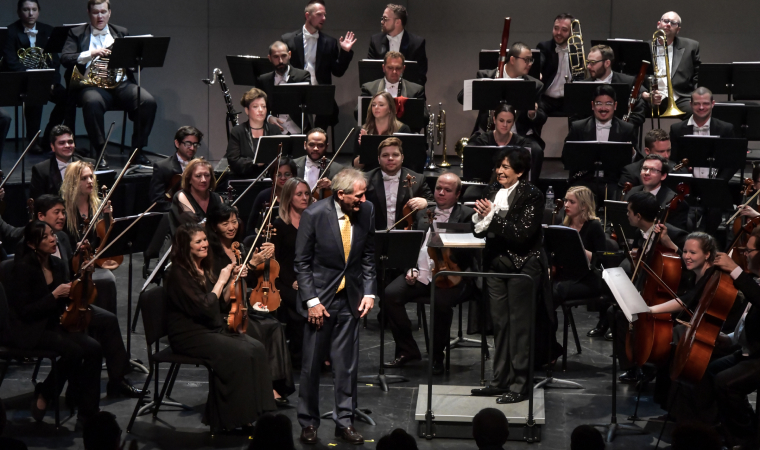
{"x":279,"y":55}
{"x":415,"y":284}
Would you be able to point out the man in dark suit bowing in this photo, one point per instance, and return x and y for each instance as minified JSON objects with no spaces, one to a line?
{"x":319,"y":54}
{"x":47,"y":176}
{"x":335,"y":269}
{"x":386,"y":185}
{"x":555,"y":65}
{"x":654,"y":170}
{"x":395,"y":38}
{"x":279,"y":55}
{"x":599,"y":63}
{"x":310,"y":167}
{"x":83,"y":45}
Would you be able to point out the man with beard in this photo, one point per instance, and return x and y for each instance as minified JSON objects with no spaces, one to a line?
{"x":394,"y":38}
{"x":279,"y":55}
{"x":309,"y":167}
{"x":555,"y":65}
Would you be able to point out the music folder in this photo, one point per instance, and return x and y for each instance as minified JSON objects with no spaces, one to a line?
{"x":625,"y":293}
{"x":372,"y":69}
{"x":488,"y":94}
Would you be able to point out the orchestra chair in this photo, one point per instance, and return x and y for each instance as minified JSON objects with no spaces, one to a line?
{"x":105,"y":130}
{"x":8,"y":353}
{"x":153,"y":303}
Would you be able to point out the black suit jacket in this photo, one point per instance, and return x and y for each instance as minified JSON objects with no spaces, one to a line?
{"x":331,"y":59}
{"x":747,"y":285}
{"x":406,"y":89}
{"x":632,"y":172}
{"x":331,"y":171}
{"x":684,"y":75}
{"x":46,"y":178}
{"x":17,"y":40}
{"x":78,"y":41}
{"x":678,"y":217}
{"x":585,"y":130}
{"x":241,"y":149}
{"x":376,"y":194}
{"x":412,"y":47}
{"x":320,"y":263}
{"x":549,"y":61}
{"x":163,"y":171}
{"x":295,"y":75}
{"x":717,"y":128}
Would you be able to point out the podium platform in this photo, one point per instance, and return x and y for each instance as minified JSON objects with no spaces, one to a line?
{"x":454,"y":407}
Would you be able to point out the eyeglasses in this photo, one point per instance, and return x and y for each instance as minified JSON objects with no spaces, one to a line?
{"x":527,"y":60}
{"x":593,"y":61}
{"x":385,"y":19}
{"x":189,"y":144}
{"x":675,"y":23}
{"x":284,"y":175}
{"x":746,"y":250}
{"x":604,"y":103}
{"x":650,"y":169}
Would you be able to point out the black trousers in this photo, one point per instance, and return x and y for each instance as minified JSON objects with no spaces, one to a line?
{"x":294,"y":323}
{"x":64,"y":113}
{"x":5,"y":125}
{"x":96,"y":101}
{"x":338,"y":338}
{"x":104,"y":327}
{"x":510,"y":302}
{"x":734,"y":377}
{"x":398,"y":293}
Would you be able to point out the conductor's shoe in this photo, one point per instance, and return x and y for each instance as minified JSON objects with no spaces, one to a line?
{"x":488,"y":391}
{"x":349,"y":435}
{"x":143,"y":160}
{"x":608,"y":336}
{"x":309,"y":435}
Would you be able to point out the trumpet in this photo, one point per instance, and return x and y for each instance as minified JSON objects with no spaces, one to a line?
{"x":577,"y":57}
{"x":441,"y":134}
{"x":672,"y":110}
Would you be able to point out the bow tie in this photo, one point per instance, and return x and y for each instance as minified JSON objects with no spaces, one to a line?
{"x":559,"y":49}
{"x":704,"y":128}
{"x":441,"y":212}
{"x":307,"y":35}
{"x":312,"y":164}
{"x":30,"y":31}
{"x":390,"y":178}
{"x":602,"y":126}
{"x":103,"y":32}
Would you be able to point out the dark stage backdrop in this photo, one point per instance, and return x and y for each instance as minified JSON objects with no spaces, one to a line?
{"x":204,"y":31}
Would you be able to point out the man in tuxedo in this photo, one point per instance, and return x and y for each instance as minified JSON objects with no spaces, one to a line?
{"x":335,"y":269}
{"x":385,"y":185}
{"x":555,"y":65}
{"x":392,"y":82}
{"x":599,"y":63}
{"x":83,"y":45}
{"x":654,"y":170}
{"x":656,"y":142}
{"x":395,"y":38}
{"x":47,"y":176}
{"x":415,"y":283}
{"x":309,"y":167}
{"x":279,"y":55}
{"x":25,"y":33}
{"x":683,"y":55}
{"x":319,"y":54}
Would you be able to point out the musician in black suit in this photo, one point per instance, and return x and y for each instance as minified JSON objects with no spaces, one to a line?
{"x":25,"y":33}
{"x":279,"y":55}
{"x":47,"y":176}
{"x":654,"y":170}
{"x":656,"y":142}
{"x":309,"y":167}
{"x":415,"y":283}
{"x":385,"y":186}
{"x":395,"y":38}
{"x":555,"y":65}
{"x":527,"y":123}
{"x":683,"y":54}
{"x":335,"y":270}
{"x":393,"y":83}
{"x":599,"y":64}
{"x":319,"y":54}
{"x":83,"y":45}
{"x":244,"y":138}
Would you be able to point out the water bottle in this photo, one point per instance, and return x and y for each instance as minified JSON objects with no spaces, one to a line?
{"x":550,"y":198}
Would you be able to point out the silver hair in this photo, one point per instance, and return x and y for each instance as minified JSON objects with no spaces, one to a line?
{"x":346,"y":179}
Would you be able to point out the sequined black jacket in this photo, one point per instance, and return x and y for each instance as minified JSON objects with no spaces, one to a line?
{"x":518,"y":233}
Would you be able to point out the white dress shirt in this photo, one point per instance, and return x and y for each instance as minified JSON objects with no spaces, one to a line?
{"x":394,"y":42}
{"x":424,"y":262}
{"x":662,"y":82}
{"x":603,"y":130}
{"x":62,"y":167}
{"x":310,"y":53}
{"x":98,"y":39}
{"x":182,"y":163}
{"x":701,"y":172}
{"x":31,"y":33}
{"x":605,"y":80}
{"x":392,"y":88}
{"x":500,"y":203}
{"x":655,"y":190}
{"x":290,"y":126}
{"x":557,"y":88}
{"x":390,"y":184}
{"x":311,"y":172}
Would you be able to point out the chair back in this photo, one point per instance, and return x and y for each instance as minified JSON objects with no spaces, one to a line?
{"x":154,"y":313}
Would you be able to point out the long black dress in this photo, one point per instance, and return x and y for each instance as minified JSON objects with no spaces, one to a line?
{"x":242,"y":386}
{"x":266,"y":329}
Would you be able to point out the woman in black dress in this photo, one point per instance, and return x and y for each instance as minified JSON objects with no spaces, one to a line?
{"x":196,"y":198}
{"x":242,"y":384}
{"x":296,"y":197}
{"x":286,"y":170}
{"x":222,"y":228}
{"x":381,"y":120}
{"x":244,"y":138}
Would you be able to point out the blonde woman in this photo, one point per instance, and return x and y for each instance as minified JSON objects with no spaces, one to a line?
{"x":381,"y":120}
{"x":196,"y":198}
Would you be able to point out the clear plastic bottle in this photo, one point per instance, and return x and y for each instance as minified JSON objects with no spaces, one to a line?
{"x":550,"y":197}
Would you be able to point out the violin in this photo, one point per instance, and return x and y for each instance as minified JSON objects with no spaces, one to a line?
{"x":558,"y":205}
{"x":174,"y":185}
{"x":237,"y":319}
{"x":442,"y":262}
{"x":408,"y":220}
{"x":103,"y":229}
{"x":265,"y":291}
{"x":76,"y":318}
{"x":318,"y":193}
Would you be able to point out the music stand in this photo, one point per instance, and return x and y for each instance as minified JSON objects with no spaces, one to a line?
{"x":708,"y":192}
{"x":580,"y":94}
{"x":489,"y":60}
{"x":268,"y":147}
{"x":712,"y":152}
{"x":296,"y":149}
{"x":57,"y":39}
{"x":141,"y":52}
{"x":414,"y":150}
{"x":589,"y":156}
{"x":309,"y":99}
{"x":744,"y":78}
{"x":487,"y":94}
{"x":717,"y":77}
{"x":136,"y":239}
{"x":629,"y":53}
{"x":372,"y":69}
{"x":245,"y":70}
{"x":480,"y":161}
{"x":414,"y":112}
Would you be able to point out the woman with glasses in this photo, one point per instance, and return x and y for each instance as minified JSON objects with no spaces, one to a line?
{"x":244,"y":138}
{"x":196,"y":199}
{"x":286,"y":170}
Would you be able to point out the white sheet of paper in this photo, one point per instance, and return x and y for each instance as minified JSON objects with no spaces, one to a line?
{"x":461,"y":240}
{"x":625,"y":293}
{"x":467,"y":101}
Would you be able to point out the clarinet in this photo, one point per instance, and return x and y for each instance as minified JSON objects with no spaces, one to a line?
{"x":232,"y":115}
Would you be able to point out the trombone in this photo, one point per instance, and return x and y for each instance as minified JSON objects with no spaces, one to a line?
{"x":577,"y":56}
{"x":672,"y":110}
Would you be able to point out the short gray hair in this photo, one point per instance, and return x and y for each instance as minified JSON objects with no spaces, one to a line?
{"x":346,"y":178}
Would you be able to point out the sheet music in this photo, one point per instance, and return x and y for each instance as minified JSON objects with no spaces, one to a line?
{"x":73,"y":24}
{"x":139,"y":35}
{"x":625,"y":293}
{"x":467,"y":101}
{"x":461,"y":240}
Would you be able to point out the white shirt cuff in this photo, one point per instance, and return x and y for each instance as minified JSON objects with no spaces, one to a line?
{"x":84,"y":57}
{"x":736,"y":272}
{"x":313,"y":302}
{"x":482,"y":224}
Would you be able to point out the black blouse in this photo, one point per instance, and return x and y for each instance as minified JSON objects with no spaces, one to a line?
{"x":241,"y":149}
{"x":592,"y":236}
{"x":192,"y":306}
{"x":178,"y":209}
{"x":285,"y":250}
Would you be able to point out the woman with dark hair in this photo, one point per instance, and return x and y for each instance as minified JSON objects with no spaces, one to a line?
{"x":196,"y":198}
{"x":222,"y":229}
{"x":286,"y":170}
{"x":509,"y":218}
{"x":244,"y":138}
{"x":242,"y":383}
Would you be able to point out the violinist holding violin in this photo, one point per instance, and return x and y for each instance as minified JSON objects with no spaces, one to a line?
{"x":310,"y":166}
{"x":752,"y":211}
{"x":286,"y":169}
{"x":415,"y":283}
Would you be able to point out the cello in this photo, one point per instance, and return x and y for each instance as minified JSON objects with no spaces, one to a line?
{"x":442,"y":262}
{"x":237,"y":318}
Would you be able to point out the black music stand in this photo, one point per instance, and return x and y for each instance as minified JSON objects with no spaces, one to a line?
{"x":414,"y":146}
{"x":488,"y":94}
{"x":708,"y":192}
{"x":718,"y":77}
{"x":617,"y":215}
{"x":712,"y":152}
{"x":141,"y":52}
{"x":744,"y":78}
{"x":489,"y":60}
{"x":296,"y":149}
{"x":629,"y":53}
{"x":309,"y":99}
{"x":372,"y":69}
{"x":590,"y":156}
{"x":136,"y":239}
{"x":268,"y":148}
{"x":580,"y":94}
{"x":414,"y":112}
{"x":481,"y":160}
{"x":745,"y":117}
{"x":245,"y":69}
{"x":58,"y":38}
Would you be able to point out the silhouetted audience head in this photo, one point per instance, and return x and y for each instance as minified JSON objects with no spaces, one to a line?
{"x":586,"y":437}
{"x":101,"y":432}
{"x":490,"y":428}
{"x":272,"y":432}
{"x":397,"y":439}
{"x":691,"y":436}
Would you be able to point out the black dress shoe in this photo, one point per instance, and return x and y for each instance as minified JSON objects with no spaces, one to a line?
{"x":309,"y":435}
{"x":282,"y":401}
{"x":124,"y":389}
{"x":349,"y":435}
{"x":400,"y":361}
{"x":511,"y":397}
{"x":597,"y":332}
{"x":142,"y":160}
{"x":629,"y":376}
{"x":488,"y":391}
{"x":608,"y":336}
{"x":438,"y":368}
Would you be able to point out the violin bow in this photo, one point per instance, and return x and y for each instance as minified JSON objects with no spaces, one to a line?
{"x":264,"y":172}
{"x":327,"y":167}
{"x":103,"y":151}
{"x":216,"y":181}
{"x":253,"y":244}
{"x":402,"y":219}
{"x":736,"y":214}
{"x":274,"y":178}
{"x":7,"y":177}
